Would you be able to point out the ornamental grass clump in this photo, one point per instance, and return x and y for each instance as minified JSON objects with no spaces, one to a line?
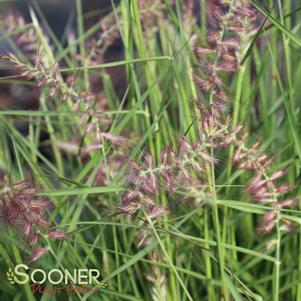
{"x":162,"y":149}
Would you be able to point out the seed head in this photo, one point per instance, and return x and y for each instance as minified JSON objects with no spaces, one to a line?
{"x":37,"y":254}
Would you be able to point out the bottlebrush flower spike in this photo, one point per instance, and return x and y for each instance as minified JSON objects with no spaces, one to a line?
{"x":263,"y":186}
{"x":27,"y":212}
{"x":231,"y":27}
{"x":52,"y":80}
{"x":232,"y":24}
{"x":22,"y":208}
{"x":174,"y":171}
{"x":49,"y":77}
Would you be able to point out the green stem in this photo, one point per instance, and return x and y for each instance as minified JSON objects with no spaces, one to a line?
{"x":236,"y":113}
{"x":211,"y":295}
{"x":221,"y":257}
{"x":80,"y":23}
{"x":278,"y":260}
